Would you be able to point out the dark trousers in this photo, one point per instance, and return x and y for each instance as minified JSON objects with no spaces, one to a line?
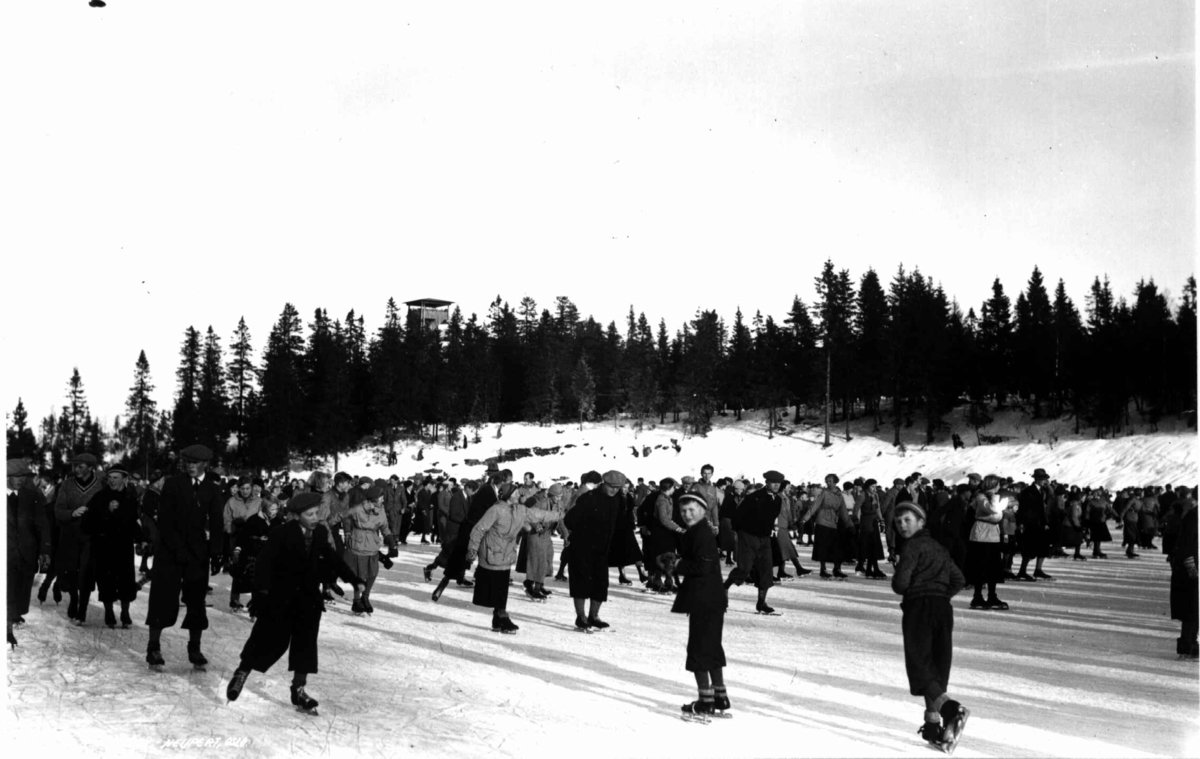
{"x":167,"y":581}
{"x":20,"y":585}
{"x":928,"y":626}
{"x":753,"y":556}
{"x":293,"y":629}
{"x":405,"y":526}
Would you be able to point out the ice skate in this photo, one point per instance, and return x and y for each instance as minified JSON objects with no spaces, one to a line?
{"x":504,"y":625}
{"x":932,"y":732}
{"x":437,"y":592}
{"x":825,"y":575}
{"x":236,"y":683}
{"x":428,"y":574}
{"x":598,"y":624}
{"x":197,"y":660}
{"x":357,"y":608}
{"x":1024,"y":577}
{"x":762,"y":608}
{"x":366,"y":604}
{"x":838,"y":574}
{"x":237,"y":607}
{"x":979,"y":603}
{"x":995,"y":603}
{"x":721,"y":707}
{"x":697,"y":711}
{"x":126,"y":621}
{"x":623,"y":580}
{"x":801,"y":571}
{"x":303,"y":702}
{"x":581,"y":625}
{"x":12,"y":639}
{"x":465,"y":583}
{"x":155,"y":659}
{"x":41,"y":594}
{"x":954,"y":717}
{"x":532,"y":595}
{"x":1039,"y":574}
{"x":784,"y":577}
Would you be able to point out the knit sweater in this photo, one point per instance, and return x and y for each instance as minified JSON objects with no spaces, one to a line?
{"x":926,"y":569}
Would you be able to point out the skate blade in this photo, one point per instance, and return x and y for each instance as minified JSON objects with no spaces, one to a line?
{"x":308,"y":712}
{"x":949,"y":743}
{"x":583,"y":630}
{"x":156,"y":668}
{"x":722,"y":715}
{"x":696,"y":719}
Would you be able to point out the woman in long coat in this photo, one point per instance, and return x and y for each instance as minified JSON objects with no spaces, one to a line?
{"x":702,"y":597}
{"x":984,"y":566}
{"x":870,"y":549}
{"x":828,"y":511}
{"x":247,"y":544}
{"x":785,"y":550}
{"x":536,"y":555}
{"x":623,"y":550}
{"x":664,"y":536}
{"x":111,"y":526}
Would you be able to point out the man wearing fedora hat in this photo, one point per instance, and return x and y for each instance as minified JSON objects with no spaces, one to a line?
{"x":1033,"y":526}
{"x":70,"y":505}
{"x":592,"y":521}
{"x":181,"y":554}
{"x":28,"y":540}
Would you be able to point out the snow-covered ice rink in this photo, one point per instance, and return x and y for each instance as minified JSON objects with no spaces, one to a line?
{"x":1082,"y":666}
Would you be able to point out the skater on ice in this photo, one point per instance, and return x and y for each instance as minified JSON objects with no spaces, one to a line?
{"x":111,"y":525}
{"x":365,"y":528}
{"x":298,"y":556}
{"x":755,"y":522}
{"x":928,"y":578}
{"x":28,"y":540}
{"x":70,"y":504}
{"x":591,"y":523}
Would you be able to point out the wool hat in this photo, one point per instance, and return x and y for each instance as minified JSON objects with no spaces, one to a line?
{"x":298,"y":504}
{"x":910,"y":506}
{"x":688,"y":480}
{"x":117,"y":469}
{"x":963,"y":488}
{"x":373,"y":492}
{"x":869,"y":483}
{"x":692,"y":497}
{"x":773,"y":476}
{"x":258,"y":481}
{"x":84,"y":458}
{"x":18,"y":468}
{"x":593,"y":477}
{"x":666,"y":482}
{"x":364,"y":480}
{"x":614,"y":478}
{"x":197,"y":452}
{"x":939,"y":484}
{"x":341,"y":477}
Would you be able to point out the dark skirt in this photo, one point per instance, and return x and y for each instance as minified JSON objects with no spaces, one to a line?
{"x":1098,"y":530}
{"x":870,"y":547}
{"x":491,"y":588}
{"x":727,"y":539}
{"x":827,"y":545}
{"x":1035,"y":543}
{"x":624,"y":550}
{"x":704,"y":650}
{"x":1129,"y":535}
{"x":983,"y":563}
{"x":1069,"y":536}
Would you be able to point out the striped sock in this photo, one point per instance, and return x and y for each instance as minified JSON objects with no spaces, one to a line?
{"x":706,"y":696}
{"x":719,"y":690}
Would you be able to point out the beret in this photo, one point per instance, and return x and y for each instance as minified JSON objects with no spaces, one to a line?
{"x":373,"y":492}
{"x":197,"y":452}
{"x":614,"y":478}
{"x":365,"y":481}
{"x":910,"y":506}
{"x":666,"y":482}
{"x":298,"y":504}
{"x":84,"y":458}
{"x":773,"y":476}
{"x":18,"y":468}
{"x":555,"y":489}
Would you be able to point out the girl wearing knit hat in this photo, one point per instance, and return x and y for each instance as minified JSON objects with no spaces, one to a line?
{"x":366,"y":529}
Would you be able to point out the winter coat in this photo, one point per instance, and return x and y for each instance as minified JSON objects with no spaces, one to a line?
{"x":362,"y":527}
{"x":758,"y":513}
{"x":290,"y":575}
{"x":28,"y":530}
{"x":455,"y":516}
{"x":926,"y":569}
{"x":829,"y":509}
{"x":664,"y":530}
{"x":148,"y":512}
{"x":112,"y":534}
{"x":1148,"y":516}
{"x":248,"y":543}
{"x":494,"y":537}
{"x":333,"y":508}
{"x":537,"y":548}
{"x":237,"y":511}
{"x":183,"y":518}
{"x":72,"y":546}
{"x":592,"y":522}
{"x":700,"y":568}
{"x":623,"y":550}
{"x":989,"y":511}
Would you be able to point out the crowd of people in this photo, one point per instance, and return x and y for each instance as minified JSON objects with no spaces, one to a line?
{"x":289,"y":543}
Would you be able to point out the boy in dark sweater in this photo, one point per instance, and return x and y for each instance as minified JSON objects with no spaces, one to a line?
{"x":928,"y":578}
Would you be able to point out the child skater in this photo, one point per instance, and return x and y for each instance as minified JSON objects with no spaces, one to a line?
{"x":702,"y":597}
{"x":362,"y":526}
{"x":928,"y":578}
{"x":298,"y":556}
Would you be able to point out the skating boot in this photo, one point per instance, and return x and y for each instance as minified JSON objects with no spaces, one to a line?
{"x":533,"y":595}
{"x":932,"y":732}
{"x":12,"y":639}
{"x":110,"y":618}
{"x":622,"y":579}
{"x":504,"y":625}
{"x":236,"y":606}
{"x":642,"y":576}
{"x":581,"y":625}
{"x":357,"y":608}
{"x":236,"y":683}
{"x":784,"y":576}
{"x":995,"y":603}
{"x":196,"y":658}
{"x":1024,"y":577}
{"x":1039,"y":574}
{"x":978,"y":603}
{"x":541,"y":590}
{"x":72,"y":606}
{"x":721,"y":706}
{"x":302,"y":701}
{"x":154,"y":658}
{"x":366,"y":604}
{"x":954,"y":719}
{"x":762,"y":608}
{"x":428,"y":574}
{"x":697,"y":711}
{"x":437,"y":592}
{"x":41,"y":594}
{"x":801,"y":571}
{"x":465,"y":583}
{"x":56,"y":593}
{"x":126,"y":622}
{"x":597,"y":624}
{"x":327,"y":597}
{"x":838,"y":574}
{"x":825,"y":575}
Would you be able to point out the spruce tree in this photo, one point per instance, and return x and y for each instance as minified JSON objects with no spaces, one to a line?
{"x":241,"y":376}
{"x":20,"y":442}
{"x":186,"y":428}
{"x":212,"y":405}
{"x":282,"y":394}
{"x":141,"y":414}
{"x":995,"y":343}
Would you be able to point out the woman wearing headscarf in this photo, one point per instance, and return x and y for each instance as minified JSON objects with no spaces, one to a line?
{"x":623,"y":550}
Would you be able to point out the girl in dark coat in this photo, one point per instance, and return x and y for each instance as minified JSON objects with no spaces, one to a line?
{"x":870,"y":522}
{"x":624,"y":549}
{"x":702,"y":597}
{"x":664,"y":536}
{"x":111,"y":524}
{"x":247,"y":544}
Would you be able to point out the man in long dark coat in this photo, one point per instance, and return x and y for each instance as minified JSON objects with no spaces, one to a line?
{"x":181,"y":555}
{"x":754,"y":521}
{"x":1033,"y":525}
{"x":591,"y":522}
{"x":456,"y":564}
{"x":28,"y":539}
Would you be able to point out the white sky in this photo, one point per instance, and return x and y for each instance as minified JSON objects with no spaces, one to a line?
{"x":169,"y":164}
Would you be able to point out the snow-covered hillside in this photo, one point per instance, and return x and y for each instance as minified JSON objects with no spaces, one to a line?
{"x":744,"y":449}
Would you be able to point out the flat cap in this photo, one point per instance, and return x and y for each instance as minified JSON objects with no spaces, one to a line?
{"x":365,"y":481}
{"x":117,"y":469}
{"x":614,"y":478}
{"x":773,"y":476}
{"x":197,"y":452}
{"x":84,"y":458}
{"x":373,"y":492}
{"x":298,"y":504}
{"x":18,"y":468}
{"x":688,"y":480}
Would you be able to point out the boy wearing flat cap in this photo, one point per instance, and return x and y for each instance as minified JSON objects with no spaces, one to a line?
{"x":928,"y":578}
{"x":298,"y":556}
{"x":755,"y":522}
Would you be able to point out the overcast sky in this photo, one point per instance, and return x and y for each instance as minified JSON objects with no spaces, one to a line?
{"x":170,"y":164}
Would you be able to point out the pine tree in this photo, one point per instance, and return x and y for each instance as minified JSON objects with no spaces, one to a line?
{"x":241,"y":376}
{"x":76,"y":415}
{"x":328,"y":429}
{"x":141,"y":413}
{"x":736,"y":379}
{"x":1033,"y":342}
{"x":20,"y":442}
{"x":995,"y":343}
{"x":583,"y":387}
{"x":1068,"y":353}
{"x":388,"y":374}
{"x":871,"y":326}
{"x":212,"y":405}
{"x":801,"y":356}
{"x":698,"y":381}
{"x":184,"y":416}
{"x":282,"y":395}
{"x":835,"y":313}
{"x":1184,"y":352}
